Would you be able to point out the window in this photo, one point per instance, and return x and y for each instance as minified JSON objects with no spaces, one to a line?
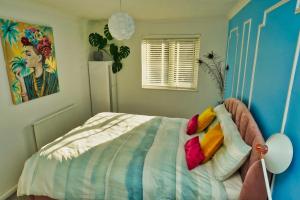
{"x":170,"y":63}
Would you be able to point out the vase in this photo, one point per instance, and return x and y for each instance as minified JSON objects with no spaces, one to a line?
{"x":98,"y":56}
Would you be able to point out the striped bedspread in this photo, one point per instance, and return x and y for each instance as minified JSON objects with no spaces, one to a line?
{"x":122,"y":156}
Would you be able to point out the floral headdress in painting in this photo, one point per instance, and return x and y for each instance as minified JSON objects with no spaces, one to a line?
{"x":41,"y":43}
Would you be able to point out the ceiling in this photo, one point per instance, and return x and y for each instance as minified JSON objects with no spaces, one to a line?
{"x":144,"y":9}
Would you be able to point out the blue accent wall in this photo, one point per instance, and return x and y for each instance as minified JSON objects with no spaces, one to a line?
{"x":262,"y":56}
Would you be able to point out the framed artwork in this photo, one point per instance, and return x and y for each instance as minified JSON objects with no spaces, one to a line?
{"x":29,"y":54}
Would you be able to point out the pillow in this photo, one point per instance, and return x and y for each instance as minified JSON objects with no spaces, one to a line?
{"x":192,"y":125}
{"x":212,"y":141}
{"x":206,"y":117}
{"x":221,"y":110}
{"x":193,"y":153}
{"x":229,"y":158}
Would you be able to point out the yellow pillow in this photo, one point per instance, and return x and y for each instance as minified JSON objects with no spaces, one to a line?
{"x":212,"y":141}
{"x":206,"y":117}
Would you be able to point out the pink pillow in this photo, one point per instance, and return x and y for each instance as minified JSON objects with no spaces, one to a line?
{"x":192,"y":125}
{"x":193,"y":153}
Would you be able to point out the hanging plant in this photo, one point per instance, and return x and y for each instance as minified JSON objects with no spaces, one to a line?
{"x":118,"y":56}
{"x":102,"y":44}
{"x":107,"y":33}
{"x":97,"y":40}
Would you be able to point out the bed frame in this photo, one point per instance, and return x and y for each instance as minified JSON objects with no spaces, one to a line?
{"x":251,"y":171}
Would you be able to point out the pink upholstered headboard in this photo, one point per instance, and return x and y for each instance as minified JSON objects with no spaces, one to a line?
{"x":251,"y":171}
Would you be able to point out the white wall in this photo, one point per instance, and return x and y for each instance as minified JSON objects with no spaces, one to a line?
{"x":133,"y":99}
{"x":16,"y":135}
{"x":70,"y":35}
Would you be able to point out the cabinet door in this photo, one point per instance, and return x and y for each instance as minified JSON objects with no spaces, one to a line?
{"x":100,"y":86}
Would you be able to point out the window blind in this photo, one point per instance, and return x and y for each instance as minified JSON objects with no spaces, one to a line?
{"x":170,"y":63}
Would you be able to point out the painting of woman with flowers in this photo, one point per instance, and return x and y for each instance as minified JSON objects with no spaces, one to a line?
{"x":30,"y":60}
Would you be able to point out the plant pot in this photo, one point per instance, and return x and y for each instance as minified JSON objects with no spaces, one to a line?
{"x":98,"y":56}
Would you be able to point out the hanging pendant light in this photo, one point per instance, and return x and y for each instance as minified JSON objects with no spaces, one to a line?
{"x":121,"y":25}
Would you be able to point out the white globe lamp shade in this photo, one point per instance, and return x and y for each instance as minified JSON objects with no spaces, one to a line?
{"x":276,"y":156}
{"x":280,"y":153}
{"x":121,"y":26}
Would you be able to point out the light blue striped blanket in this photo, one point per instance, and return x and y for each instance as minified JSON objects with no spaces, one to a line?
{"x":122,"y":156}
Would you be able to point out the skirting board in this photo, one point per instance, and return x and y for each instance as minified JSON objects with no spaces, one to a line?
{"x":10,"y":192}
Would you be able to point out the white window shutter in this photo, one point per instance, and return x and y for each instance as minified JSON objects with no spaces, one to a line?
{"x":170,"y":63}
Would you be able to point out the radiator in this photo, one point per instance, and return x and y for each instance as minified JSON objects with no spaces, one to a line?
{"x":54,"y":125}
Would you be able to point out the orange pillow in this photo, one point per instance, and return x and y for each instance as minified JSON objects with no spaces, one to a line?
{"x":212,"y":141}
{"x":206,"y":117}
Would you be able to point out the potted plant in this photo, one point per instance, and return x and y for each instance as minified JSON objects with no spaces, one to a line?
{"x":102,"y":44}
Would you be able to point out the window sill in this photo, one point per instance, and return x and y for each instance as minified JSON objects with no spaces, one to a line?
{"x":151,"y":87}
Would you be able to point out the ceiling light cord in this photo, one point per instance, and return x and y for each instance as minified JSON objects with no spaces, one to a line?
{"x":120,"y":5}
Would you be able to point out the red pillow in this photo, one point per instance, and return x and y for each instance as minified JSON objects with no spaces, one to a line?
{"x":193,"y":153}
{"x":192,"y":125}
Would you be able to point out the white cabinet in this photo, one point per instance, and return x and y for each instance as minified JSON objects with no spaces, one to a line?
{"x":103,"y":87}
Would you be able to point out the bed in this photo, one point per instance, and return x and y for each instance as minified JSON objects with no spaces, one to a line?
{"x":125,"y":156}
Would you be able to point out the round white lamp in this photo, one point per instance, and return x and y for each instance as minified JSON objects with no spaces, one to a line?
{"x":121,"y":25}
{"x":280,"y":153}
{"x":276,"y":156}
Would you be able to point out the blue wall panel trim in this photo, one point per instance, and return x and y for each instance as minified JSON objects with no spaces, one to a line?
{"x":276,"y":49}
{"x":273,"y":69}
{"x":287,"y":184}
{"x":243,"y":58}
{"x":231,"y":60}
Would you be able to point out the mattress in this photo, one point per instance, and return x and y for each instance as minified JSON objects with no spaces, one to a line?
{"x":122,"y":156}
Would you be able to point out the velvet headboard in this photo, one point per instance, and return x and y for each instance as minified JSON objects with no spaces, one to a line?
{"x":251,"y":171}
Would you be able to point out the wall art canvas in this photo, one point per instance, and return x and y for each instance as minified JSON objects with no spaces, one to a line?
{"x":29,"y":54}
